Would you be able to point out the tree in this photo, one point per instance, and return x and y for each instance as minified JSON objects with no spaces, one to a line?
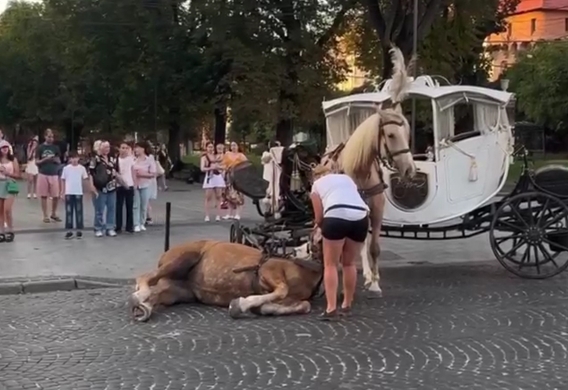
{"x":540,"y":81}
{"x":450,"y":34}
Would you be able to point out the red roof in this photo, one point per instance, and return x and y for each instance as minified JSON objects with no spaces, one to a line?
{"x":534,"y":5}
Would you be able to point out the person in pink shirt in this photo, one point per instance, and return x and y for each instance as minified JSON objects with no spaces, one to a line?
{"x":143,"y":172}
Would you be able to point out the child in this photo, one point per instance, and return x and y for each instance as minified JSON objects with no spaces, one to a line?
{"x":73,"y":177}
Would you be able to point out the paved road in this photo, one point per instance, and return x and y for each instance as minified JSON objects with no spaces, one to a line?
{"x":125,"y":256}
{"x":436,"y":328}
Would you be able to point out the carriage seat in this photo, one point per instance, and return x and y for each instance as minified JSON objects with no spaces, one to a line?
{"x":464,"y":136}
{"x":552,"y":179}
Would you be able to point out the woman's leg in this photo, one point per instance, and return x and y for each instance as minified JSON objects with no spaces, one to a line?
{"x":99,"y":204}
{"x":332,"y":250}
{"x":144,"y":206}
{"x":136,"y":209}
{"x":8,"y":216}
{"x":218,"y":202}
{"x":30,"y":180}
{"x":351,"y":252}
{"x":2,"y":219}
{"x":208,"y":195}
{"x":110,"y":213}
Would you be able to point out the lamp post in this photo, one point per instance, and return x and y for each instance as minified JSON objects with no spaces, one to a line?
{"x":414,"y":70}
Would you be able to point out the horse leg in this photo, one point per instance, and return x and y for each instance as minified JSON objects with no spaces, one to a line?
{"x":374,"y":248}
{"x":242,"y":305}
{"x":283,"y":308}
{"x":166,"y":292}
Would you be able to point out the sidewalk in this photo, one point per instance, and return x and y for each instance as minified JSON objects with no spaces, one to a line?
{"x":126,"y":256}
{"x":187,"y":208}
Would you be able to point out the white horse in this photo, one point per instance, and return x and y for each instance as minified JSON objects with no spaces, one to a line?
{"x":383,"y":138}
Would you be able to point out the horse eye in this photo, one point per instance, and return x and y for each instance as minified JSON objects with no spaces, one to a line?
{"x":391,"y":136}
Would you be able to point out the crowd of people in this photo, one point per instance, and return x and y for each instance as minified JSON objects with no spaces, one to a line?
{"x":122,"y":184}
{"x":215,"y":163}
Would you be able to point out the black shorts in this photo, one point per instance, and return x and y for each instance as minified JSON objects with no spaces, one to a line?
{"x":337,"y":229}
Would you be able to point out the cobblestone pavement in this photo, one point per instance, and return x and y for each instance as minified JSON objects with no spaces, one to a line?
{"x":436,"y":328}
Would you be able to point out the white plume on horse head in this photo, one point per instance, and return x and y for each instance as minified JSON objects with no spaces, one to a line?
{"x":398,"y":88}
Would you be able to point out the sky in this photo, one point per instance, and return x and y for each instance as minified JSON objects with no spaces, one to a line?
{"x":3,"y":4}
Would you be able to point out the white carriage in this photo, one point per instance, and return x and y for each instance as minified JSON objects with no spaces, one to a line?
{"x":460,"y":171}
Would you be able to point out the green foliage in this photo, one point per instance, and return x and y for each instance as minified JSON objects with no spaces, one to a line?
{"x":450,"y":35}
{"x":117,"y":66}
{"x":540,"y":81}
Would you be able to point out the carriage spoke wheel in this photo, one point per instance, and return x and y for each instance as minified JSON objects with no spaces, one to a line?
{"x":236,"y":233}
{"x":529,"y":235}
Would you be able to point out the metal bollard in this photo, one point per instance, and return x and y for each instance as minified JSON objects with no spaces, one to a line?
{"x":168,"y":223}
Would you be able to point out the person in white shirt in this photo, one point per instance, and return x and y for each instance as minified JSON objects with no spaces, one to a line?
{"x":343,"y":217}
{"x":73,"y":177}
{"x":125,"y":189}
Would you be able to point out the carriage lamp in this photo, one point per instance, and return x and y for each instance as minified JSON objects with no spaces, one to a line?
{"x":505,"y":84}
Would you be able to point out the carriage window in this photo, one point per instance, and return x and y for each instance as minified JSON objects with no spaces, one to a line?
{"x":486,"y":117}
{"x":342,"y":124}
{"x":424,"y":130}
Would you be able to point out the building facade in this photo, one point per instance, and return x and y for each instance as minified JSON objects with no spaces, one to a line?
{"x":533,"y":21}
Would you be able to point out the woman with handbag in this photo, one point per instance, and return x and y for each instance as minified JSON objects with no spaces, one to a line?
{"x":9,"y":172}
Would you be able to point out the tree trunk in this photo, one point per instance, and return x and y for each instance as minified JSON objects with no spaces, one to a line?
{"x":220,"y":123}
{"x":285,"y":131}
{"x":387,"y":64}
{"x":174,"y":132}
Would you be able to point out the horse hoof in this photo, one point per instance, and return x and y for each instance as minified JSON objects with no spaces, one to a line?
{"x":141,"y":313}
{"x":305,"y":307}
{"x":373,"y":294}
{"x":235,"y":309}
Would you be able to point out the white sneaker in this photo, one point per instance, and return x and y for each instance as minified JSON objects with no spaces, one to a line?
{"x":227,"y":217}
{"x":237,"y":217}
{"x":111,"y":233}
{"x":137,"y":229}
{"x":29,"y":196}
{"x":98,"y":233}
{"x":143,"y":228}
{"x":35,"y":196}
{"x":217,"y":218}
{"x":207,"y":219}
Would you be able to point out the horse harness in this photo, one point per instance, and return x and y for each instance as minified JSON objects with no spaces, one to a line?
{"x":266,"y":256}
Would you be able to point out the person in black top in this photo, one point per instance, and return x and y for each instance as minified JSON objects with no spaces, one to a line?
{"x":103,"y":174}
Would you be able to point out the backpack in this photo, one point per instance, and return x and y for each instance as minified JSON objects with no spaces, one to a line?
{"x":101,"y":177}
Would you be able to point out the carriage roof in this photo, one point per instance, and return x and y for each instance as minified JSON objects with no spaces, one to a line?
{"x":423,"y":86}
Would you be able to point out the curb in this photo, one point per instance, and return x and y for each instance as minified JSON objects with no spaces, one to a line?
{"x":45,"y":285}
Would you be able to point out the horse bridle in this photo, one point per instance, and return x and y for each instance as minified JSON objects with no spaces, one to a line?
{"x":388,"y":161}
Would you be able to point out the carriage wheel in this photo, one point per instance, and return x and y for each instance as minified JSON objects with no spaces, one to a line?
{"x":236,"y":233}
{"x":529,"y":235}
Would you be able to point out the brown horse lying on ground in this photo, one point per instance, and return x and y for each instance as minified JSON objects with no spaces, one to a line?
{"x":228,"y":274}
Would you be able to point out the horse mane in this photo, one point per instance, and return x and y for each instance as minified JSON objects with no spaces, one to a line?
{"x":361,"y":148}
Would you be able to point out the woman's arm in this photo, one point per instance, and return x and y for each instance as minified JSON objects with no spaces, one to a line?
{"x":16,"y":173}
{"x":318,"y":207}
{"x":203,"y":167}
